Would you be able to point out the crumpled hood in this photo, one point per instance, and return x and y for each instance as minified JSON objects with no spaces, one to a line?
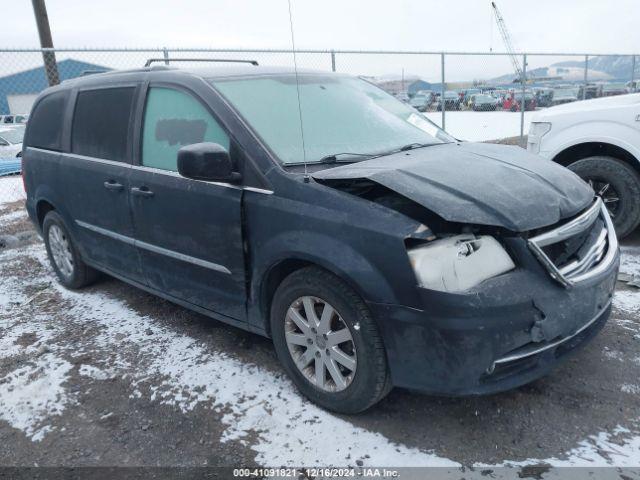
{"x":477,"y":183}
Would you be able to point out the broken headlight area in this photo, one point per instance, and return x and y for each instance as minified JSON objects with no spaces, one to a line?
{"x":459,"y":262}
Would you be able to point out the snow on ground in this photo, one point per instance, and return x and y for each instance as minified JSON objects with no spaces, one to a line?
{"x":172,"y":368}
{"x":627,"y":300}
{"x":10,"y":217}
{"x":601,"y":450}
{"x":630,"y":260}
{"x":33,"y":393}
{"x":11,"y":189}
{"x":632,"y":389}
{"x":260,"y":408}
{"x":482,"y":126}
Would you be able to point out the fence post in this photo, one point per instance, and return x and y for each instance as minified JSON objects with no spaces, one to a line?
{"x":633,"y":72}
{"x":442,"y":102}
{"x":333,"y":61}
{"x":165,"y":54}
{"x":523,"y":100}
{"x":586,"y":69}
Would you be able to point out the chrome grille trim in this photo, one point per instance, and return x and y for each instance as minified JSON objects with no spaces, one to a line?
{"x":597,"y":258}
{"x":575,"y":226}
{"x":593,"y":256}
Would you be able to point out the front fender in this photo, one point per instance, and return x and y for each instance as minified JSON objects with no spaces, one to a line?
{"x":329,"y":253}
{"x":618,"y":134}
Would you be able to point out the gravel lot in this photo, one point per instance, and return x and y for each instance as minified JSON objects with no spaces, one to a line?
{"x":114,"y":376}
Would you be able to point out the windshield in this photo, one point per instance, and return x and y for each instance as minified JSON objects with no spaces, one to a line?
{"x":339,"y":115}
{"x":13,"y":136}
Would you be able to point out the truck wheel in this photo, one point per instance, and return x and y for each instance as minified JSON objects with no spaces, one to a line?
{"x":63,"y":255}
{"x":328,"y":342}
{"x":619,"y":186}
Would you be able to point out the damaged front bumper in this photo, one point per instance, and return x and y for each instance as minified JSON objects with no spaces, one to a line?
{"x":507,"y":332}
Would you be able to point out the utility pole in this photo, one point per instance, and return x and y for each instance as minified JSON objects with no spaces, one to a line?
{"x":46,"y":42}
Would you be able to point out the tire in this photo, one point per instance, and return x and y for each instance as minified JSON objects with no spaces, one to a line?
{"x":75,"y":273}
{"x":624,"y":181}
{"x":370,"y":380}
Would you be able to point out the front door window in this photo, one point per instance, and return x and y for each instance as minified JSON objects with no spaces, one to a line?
{"x":174,"y":119}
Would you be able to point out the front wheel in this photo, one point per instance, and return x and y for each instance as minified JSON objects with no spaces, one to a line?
{"x":618,"y":184}
{"x":328,"y":342}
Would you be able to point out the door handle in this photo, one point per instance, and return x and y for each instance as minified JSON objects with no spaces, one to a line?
{"x":141,"y":192}
{"x":113,"y":185}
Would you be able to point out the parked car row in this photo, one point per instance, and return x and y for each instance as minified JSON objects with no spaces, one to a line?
{"x":494,"y":98}
{"x":14,"y":119}
{"x":472,"y":99}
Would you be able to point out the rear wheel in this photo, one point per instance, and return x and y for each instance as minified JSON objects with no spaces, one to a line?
{"x":328,"y":342}
{"x":63,"y":254}
{"x":618,"y":184}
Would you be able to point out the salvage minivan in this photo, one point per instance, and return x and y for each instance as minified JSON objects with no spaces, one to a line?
{"x":374,"y":249}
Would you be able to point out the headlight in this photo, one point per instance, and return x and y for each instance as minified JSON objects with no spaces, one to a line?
{"x":538,"y":129}
{"x":458,"y":263}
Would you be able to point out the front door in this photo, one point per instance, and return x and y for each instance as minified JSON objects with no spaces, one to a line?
{"x":188,"y":232}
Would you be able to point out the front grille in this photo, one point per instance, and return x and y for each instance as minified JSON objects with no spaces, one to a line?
{"x":578,"y":249}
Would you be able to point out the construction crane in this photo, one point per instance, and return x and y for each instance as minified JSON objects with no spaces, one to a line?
{"x":506,"y":38}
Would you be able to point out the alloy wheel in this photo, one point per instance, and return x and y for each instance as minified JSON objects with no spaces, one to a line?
{"x":609,"y":195}
{"x":61,"y":250}
{"x":320,"y":344}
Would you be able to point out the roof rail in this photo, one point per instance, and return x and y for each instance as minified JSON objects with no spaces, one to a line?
{"x":220,"y":60}
{"x":84,"y":73}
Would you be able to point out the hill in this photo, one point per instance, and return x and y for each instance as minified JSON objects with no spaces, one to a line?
{"x":618,"y":66}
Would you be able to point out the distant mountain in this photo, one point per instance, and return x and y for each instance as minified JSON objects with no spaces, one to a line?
{"x":569,"y":73}
{"x":618,"y":66}
{"x":600,"y":68}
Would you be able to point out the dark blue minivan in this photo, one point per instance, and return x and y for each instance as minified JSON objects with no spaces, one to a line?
{"x":318,"y":210}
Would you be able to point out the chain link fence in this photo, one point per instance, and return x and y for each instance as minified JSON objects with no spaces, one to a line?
{"x":474,"y":96}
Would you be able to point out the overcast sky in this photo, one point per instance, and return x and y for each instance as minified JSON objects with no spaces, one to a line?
{"x":536,"y":25}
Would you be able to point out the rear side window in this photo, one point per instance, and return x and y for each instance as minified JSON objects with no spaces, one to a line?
{"x":172,"y":120}
{"x":45,"y":124}
{"x":101,"y":123}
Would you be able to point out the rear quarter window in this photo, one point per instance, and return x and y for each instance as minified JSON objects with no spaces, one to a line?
{"x":45,"y":124}
{"x":101,"y":123}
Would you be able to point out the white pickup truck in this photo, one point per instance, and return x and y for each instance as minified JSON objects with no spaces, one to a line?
{"x":600,"y":141}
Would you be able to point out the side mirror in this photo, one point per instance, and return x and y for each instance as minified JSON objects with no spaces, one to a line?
{"x":206,"y":161}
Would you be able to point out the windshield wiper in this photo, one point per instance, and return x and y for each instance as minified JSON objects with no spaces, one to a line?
{"x":334,"y":157}
{"x":413,"y":146}
{"x":410,"y":146}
